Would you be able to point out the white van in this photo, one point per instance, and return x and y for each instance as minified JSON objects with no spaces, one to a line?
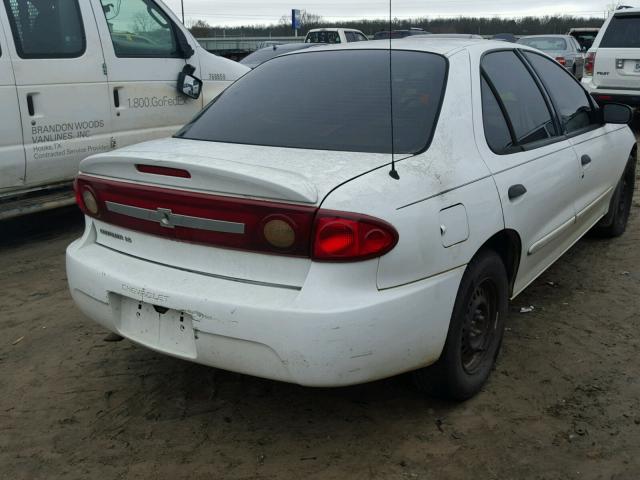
{"x":78,"y":77}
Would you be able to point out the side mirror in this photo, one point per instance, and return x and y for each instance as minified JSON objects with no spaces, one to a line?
{"x":617,"y":113}
{"x":188,"y":84}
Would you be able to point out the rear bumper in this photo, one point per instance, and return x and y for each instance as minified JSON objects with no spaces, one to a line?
{"x":337,"y":330}
{"x":613,"y":95}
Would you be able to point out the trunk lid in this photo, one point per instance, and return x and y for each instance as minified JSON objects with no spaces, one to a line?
{"x":271,"y":176}
{"x":270,"y":173}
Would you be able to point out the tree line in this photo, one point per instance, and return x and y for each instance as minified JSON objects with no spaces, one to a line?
{"x":474,"y":25}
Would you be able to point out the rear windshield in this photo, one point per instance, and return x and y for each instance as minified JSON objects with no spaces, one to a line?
{"x":545,"y":43}
{"x":330,"y":100}
{"x":322,"y":37}
{"x":264,"y":54}
{"x":623,"y":32}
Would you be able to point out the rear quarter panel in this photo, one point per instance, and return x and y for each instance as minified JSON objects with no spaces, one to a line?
{"x":449,"y":174}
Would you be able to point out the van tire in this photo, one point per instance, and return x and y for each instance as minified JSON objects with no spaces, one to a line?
{"x":475,"y":332}
{"x":615,"y":221}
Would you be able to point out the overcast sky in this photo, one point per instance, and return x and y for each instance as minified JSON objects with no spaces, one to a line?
{"x":239,"y":12}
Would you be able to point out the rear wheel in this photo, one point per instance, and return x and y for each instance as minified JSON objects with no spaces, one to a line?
{"x":475,"y":332}
{"x":614,"y":223}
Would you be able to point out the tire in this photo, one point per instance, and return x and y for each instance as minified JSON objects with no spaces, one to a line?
{"x":475,"y":332}
{"x":615,"y":221}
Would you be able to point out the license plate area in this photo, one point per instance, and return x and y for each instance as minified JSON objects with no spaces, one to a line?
{"x":170,"y":331}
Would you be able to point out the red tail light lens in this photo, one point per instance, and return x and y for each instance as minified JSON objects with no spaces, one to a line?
{"x":242,"y":224}
{"x":341,"y":237}
{"x":589,"y":64}
{"x":561,"y":60}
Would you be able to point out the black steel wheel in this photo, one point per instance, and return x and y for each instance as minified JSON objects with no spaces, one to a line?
{"x":475,"y":332}
{"x":615,"y":222}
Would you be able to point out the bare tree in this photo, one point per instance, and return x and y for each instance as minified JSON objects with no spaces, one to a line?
{"x":143,"y":23}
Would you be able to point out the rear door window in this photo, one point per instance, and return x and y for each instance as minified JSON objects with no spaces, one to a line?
{"x":496,"y":130}
{"x":46,"y":28}
{"x":330,"y":100}
{"x":523,"y":101}
{"x":623,"y":32}
{"x":571,"y":101}
{"x":139,"y":28}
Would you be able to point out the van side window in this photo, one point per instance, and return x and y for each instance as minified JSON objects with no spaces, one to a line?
{"x":46,"y":28}
{"x":139,"y":28}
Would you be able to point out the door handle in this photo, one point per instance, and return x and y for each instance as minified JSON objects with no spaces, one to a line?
{"x":516,"y":191}
{"x":30,"y":106}
{"x":116,"y":98}
{"x":585,"y":160}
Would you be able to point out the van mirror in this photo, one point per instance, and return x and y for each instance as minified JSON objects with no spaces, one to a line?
{"x":188,"y":84}
{"x":617,"y":113}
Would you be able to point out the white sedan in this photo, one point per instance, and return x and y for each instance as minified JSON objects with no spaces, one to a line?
{"x":287,"y":233}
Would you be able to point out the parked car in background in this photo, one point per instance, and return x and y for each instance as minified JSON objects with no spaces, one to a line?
{"x":584,"y":36}
{"x":613,"y":62}
{"x":267,"y":53}
{"x":505,"y":37}
{"x":399,"y":33}
{"x":468,"y":36}
{"x":290,"y":236}
{"x":564,"y":48}
{"x":335,"y":35}
{"x":77,"y":77}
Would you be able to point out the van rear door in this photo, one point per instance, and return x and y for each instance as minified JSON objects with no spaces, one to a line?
{"x":11,"y":148}
{"x":143,"y":60}
{"x":62,"y":90}
{"x":618,"y":58}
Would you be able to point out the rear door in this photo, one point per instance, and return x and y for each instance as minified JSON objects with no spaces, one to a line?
{"x":61,"y":87}
{"x":143,"y":61}
{"x":11,"y":148}
{"x":618,"y":57}
{"x":533,"y":165}
{"x":600,"y":159}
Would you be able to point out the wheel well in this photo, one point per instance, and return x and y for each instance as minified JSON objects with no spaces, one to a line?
{"x":508,"y":246}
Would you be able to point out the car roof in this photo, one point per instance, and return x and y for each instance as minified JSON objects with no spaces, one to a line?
{"x":333,"y":29}
{"x":441,"y":46}
{"x":626,"y":11}
{"x":552,"y":35}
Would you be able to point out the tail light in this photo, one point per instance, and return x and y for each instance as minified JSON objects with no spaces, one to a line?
{"x":590,"y":64}
{"x":562,"y":61}
{"x":345,"y":238}
{"x":237,"y":223}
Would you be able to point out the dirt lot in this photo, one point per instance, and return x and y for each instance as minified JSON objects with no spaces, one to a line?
{"x":563,"y":403}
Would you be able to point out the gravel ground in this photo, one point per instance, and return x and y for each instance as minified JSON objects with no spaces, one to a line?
{"x":563,"y":403}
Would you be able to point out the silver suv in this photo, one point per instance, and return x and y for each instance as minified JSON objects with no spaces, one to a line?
{"x":612,"y":72}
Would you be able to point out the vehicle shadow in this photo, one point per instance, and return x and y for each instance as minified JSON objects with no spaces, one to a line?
{"x":41,"y":226}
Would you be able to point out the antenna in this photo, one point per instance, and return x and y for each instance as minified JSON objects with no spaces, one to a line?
{"x":393,"y":173}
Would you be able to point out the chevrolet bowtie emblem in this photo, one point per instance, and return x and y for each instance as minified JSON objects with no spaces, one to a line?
{"x":165,"y":218}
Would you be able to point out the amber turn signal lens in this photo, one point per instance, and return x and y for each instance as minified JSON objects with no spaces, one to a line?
{"x":279,"y":233}
{"x":90,"y":202}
